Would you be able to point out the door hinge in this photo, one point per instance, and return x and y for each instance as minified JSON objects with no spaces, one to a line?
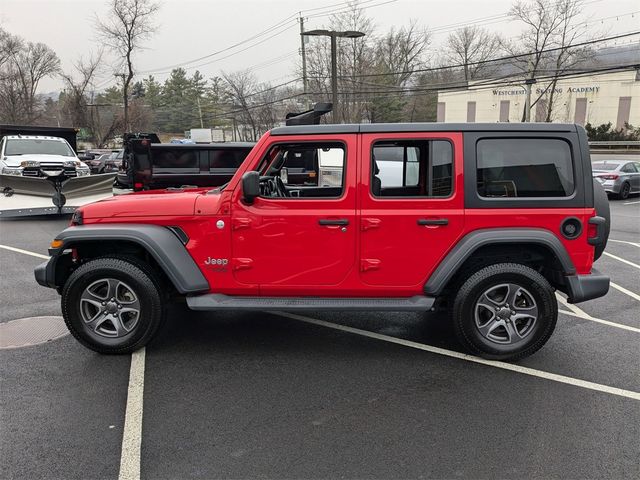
{"x":367,"y":264}
{"x":240,"y":223}
{"x":241,"y":263}
{"x":369,"y":223}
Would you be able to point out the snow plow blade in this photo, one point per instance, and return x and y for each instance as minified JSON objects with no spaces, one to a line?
{"x":25,"y":196}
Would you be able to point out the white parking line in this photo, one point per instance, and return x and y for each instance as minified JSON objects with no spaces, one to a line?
{"x":625,"y":291}
{"x":578,"y":312}
{"x":624,"y":241}
{"x":631,"y":203}
{"x":469,"y":358}
{"x":25,"y":252}
{"x":132,"y":434}
{"x":621,"y":259}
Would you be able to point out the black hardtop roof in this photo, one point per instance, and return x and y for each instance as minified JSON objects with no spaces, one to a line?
{"x":206,"y":146}
{"x":423,"y":127}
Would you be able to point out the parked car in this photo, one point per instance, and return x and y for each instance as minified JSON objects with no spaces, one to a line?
{"x":39,"y":156}
{"x":618,"y":177}
{"x":490,"y":221}
{"x":114,"y":162}
{"x":97,"y":164}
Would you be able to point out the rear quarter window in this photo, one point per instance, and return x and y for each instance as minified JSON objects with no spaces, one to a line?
{"x":524,"y":168}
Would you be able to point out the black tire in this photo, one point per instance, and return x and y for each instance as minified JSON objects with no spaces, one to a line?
{"x":468,"y":309}
{"x":625,"y":190}
{"x":121,"y":332}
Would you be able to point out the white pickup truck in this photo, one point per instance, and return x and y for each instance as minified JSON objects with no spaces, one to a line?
{"x":38,"y":156}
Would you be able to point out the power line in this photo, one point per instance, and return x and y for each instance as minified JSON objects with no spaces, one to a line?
{"x":287,"y":22}
{"x":482,"y":62}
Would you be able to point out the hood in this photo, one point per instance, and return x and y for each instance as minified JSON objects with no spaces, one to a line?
{"x":14,"y":160}
{"x":154,"y":203}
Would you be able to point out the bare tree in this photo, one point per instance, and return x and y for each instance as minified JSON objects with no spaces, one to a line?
{"x":569,"y":32}
{"x":403,"y":50}
{"x":81,"y":106}
{"x":397,"y":54}
{"x":550,"y":30}
{"x":10,"y":45}
{"x":22,"y":67}
{"x":240,"y":86}
{"x":470,"y":45}
{"x":78,"y":86}
{"x":128,"y":24}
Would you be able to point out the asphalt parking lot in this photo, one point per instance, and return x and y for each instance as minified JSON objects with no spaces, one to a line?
{"x":339,"y":395}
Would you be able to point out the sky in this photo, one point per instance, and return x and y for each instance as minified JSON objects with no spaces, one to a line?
{"x":190,"y":29}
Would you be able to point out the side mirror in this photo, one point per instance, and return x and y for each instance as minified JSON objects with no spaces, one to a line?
{"x":250,"y":186}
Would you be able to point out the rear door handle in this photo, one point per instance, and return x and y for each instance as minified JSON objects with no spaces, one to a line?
{"x":339,"y":221}
{"x":433,"y":221}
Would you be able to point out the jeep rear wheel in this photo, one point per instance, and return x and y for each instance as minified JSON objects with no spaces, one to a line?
{"x":505,"y":311}
{"x":112,"y":305}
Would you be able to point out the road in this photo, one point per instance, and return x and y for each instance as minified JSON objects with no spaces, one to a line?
{"x":273,"y":396}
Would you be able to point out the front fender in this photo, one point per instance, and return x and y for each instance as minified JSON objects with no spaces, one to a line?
{"x":160,"y":242}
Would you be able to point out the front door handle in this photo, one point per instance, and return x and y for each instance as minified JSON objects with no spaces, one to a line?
{"x":328,"y":221}
{"x":433,"y":221}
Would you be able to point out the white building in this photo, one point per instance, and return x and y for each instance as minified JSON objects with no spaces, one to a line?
{"x":597,"y":99}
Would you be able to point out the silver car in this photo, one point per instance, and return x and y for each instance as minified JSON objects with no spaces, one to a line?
{"x":618,"y":177}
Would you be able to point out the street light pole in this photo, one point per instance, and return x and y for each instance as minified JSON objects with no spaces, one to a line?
{"x":334,"y":78}
{"x":334,"y":61}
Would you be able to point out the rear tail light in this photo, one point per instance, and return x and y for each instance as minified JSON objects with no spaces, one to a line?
{"x":592,"y":231}
{"x":609,"y":177}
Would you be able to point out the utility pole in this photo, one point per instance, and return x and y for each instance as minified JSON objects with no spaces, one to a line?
{"x":527,"y":85}
{"x":200,"y":112}
{"x":334,"y":79}
{"x":126,"y":102}
{"x":304,"y":60}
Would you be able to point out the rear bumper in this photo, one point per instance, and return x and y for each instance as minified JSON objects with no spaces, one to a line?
{"x":586,"y":287}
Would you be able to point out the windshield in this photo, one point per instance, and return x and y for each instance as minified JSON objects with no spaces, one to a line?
{"x":26,"y":146}
{"x":604,"y":166}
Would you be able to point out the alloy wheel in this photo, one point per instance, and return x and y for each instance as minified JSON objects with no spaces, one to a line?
{"x":505,"y":314}
{"x":110,"y":308}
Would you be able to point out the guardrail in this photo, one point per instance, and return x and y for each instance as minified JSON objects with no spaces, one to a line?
{"x":615,"y":145}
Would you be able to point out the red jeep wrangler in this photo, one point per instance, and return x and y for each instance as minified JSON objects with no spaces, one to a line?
{"x":483,"y":220}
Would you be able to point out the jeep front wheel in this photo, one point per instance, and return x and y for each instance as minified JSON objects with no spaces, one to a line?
{"x":505,"y":311}
{"x":112,"y":305}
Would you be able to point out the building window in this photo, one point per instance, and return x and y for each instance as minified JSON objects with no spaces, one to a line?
{"x":471,"y":112}
{"x":441,"y":112}
{"x":541,"y":110}
{"x":580,"y":116}
{"x":624,"y":109}
{"x":524,"y":167}
{"x":504,"y":110}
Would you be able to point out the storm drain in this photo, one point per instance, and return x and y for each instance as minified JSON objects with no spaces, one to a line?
{"x":25,"y":332}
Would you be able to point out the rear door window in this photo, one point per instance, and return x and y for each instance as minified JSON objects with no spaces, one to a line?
{"x":412,"y":168}
{"x":524,"y":167}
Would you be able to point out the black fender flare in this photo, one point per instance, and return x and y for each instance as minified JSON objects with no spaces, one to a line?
{"x":160,"y":242}
{"x":601,"y":204}
{"x":480,"y":238}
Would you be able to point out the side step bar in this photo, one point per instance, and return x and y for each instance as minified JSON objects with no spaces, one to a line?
{"x":216,"y":301}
